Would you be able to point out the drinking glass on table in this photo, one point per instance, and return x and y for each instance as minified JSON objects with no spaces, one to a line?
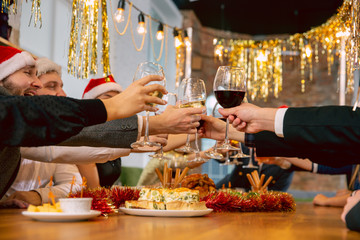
{"x":192,"y":94}
{"x":145,"y":69}
{"x":171,"y":99}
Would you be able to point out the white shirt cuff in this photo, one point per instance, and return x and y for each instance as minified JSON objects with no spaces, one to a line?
{"x":140,"y":125}
{"x":279,"y":121}
{"x":315,"y":168}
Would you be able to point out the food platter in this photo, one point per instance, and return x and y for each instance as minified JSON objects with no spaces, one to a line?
{"x":60,"y":216}
{"x":165,"y":213}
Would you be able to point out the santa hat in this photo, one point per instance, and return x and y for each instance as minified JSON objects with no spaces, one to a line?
{"x":12,"y":60}
{"x":44,"y":65}
{"x":99,"y":86}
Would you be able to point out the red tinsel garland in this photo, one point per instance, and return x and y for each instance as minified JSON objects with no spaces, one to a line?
{"x":109,"y":200}
{"x":250,"y":202}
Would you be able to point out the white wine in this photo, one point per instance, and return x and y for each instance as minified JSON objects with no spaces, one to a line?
{"x":155,"y":94}
{"x":195,"y":104}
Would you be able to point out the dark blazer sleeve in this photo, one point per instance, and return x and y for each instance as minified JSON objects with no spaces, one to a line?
{"x":117,"y":134}
{"x":352,"y":218}
{"x":269,"y":145}
{"x":329,"y":127}
{"x":45,"y":120}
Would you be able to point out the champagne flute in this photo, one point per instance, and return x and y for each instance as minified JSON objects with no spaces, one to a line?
{"x":214,"y":154}
{"x":229,"y":88}
{"x":192,"y":93}
{"x":145,"y":69}
{"x":171,"y":99}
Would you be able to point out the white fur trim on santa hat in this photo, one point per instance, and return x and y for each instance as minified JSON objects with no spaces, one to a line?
{"x":44,"y":65}
{"x":15,"y":63}
{"x":102,"y":88}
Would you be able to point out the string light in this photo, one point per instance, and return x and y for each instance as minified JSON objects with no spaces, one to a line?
{"x":119,"y":14}
{"x":177,"y":38}
{"x":187,"y":39}
{"x":160,"y":32}
{"x":141,"y":28}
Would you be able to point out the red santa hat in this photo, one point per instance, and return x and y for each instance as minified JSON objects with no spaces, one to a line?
{"x":12,"y":60}
{"x":99,"y":86}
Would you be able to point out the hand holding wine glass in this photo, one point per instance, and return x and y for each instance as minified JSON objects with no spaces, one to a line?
{"x":147,"y":69}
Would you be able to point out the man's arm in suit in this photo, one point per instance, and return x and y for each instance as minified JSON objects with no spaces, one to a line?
{"x":117,"y":134}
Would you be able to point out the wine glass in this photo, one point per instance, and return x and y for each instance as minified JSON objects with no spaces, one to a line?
{"x":145,"y":69}
{"x":229,"y":88}
{"x":213,"y":153}
{"x":250,"y":143}
{"x":192,"y":94}
{"x":171,"y":99}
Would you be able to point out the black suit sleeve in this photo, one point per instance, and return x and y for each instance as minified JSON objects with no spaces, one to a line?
{"x":45,"y":120}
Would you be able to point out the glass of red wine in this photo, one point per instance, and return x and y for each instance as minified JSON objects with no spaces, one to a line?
{"x":145,"y":69}
{"x":229,"y":88}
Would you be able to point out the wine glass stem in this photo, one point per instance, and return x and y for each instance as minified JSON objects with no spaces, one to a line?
{"x":146,"y":138}
{"x":251,"y":155}
{"x":226,"y":131}
{"x":196,"y":143}
{"x":187,"y":141}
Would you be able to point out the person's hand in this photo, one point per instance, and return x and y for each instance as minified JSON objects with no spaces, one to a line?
{"x":250,"y":118}
{"x":320,"y":200}
{"x":281,"y":162}
{"x":31,"y":197}
{"x":176,"y":120}
{"x":135,"y":98}
{"x":160,"y":138}
{"x":351,"y":202}
{"x":214,"y":128}
{"x":13,"y":203}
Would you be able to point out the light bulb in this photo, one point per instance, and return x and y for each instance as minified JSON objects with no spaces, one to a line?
{"x":178,"y":42}
{"x":262,"y":57}
{"x":119,"y":15}
{"x":308,"y":51}
{"x":160,"y":35}
{"x":141,"y":29}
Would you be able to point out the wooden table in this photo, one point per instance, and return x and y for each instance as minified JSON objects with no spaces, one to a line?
{"x":306,"y":223}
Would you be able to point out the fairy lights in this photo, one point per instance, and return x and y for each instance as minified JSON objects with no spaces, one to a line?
{"x":160,"y":32}
{"x":119,"y":14}
{"x":141,"y":28}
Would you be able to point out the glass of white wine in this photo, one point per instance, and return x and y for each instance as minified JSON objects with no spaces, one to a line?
{"x":192,"y":94}
{"x":145,"y":69}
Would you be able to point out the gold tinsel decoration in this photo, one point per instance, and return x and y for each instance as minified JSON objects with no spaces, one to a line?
{"x":6,"y":6}
{"x":263,"y":60}
{"x":83,"y":43}
{"x":36,"y":12}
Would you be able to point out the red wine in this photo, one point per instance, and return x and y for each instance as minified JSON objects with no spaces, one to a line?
{"x":201,"y":124}
{"x":229,"y":98}
{"x":223,"y":119}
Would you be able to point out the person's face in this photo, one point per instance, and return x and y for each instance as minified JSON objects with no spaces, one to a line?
{"x":52,"y":85}
{"x":107,"y":95}
{"x":23,"y":82}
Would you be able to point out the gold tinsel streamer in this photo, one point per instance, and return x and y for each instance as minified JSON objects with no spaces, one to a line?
{"x":84,"y":35}
{"x":6,"y":6}
{"x":105,"y":40}
{"x":180,"y":61}
{"x":36,"y":12}
{"x":263,"y":60}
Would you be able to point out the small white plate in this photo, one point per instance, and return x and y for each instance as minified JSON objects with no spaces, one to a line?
{"x":60,"y":216}
{"x":165,"y":213}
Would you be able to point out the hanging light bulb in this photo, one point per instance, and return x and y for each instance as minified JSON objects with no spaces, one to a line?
{"x":141,"y":28}
{"x":308,"y":51}
{"x":160,"y":32}
{"x":177,"y":38}
{"x":262,"y":56}
{"x":119,"y":14}
{"x":187,"y":40}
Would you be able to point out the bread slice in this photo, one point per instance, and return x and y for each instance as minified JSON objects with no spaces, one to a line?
{"x":179,"y":205}
{"x":144,"y":204}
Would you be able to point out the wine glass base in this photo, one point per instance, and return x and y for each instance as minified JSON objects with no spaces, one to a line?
{"x":214,"y":155}
{"x":185,"y":150}
{"x":228,"y":147}
{"x":251,"y":166}
{"x":198,"y":160}
{"x":146,"y":146}
{"x":240,"y":155}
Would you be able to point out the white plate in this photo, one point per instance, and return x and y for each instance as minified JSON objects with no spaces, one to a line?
{"x":166,"y":213}
{"x":60,"y":216}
